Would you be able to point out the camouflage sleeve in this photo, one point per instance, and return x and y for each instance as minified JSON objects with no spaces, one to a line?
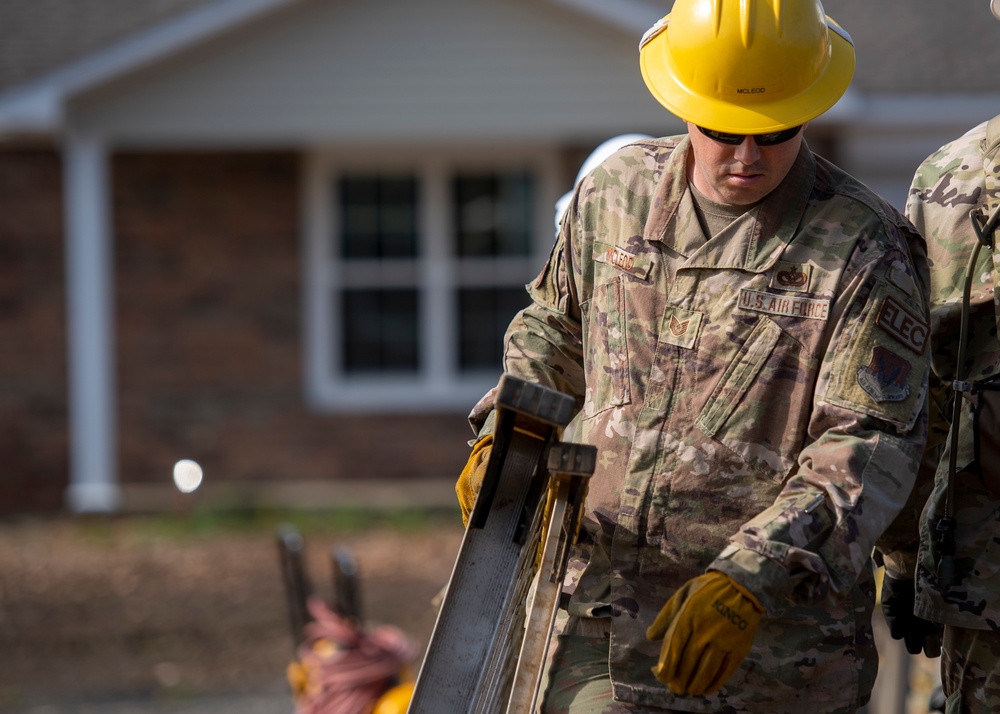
{"x":865,"y":437}
{"x":945,"y":187}
{"x":543,"y":343}
{"x":896,"y":550}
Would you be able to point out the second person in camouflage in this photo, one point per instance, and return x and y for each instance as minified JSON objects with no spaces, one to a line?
{"x":945,"y":187}
{"x":960,"y":178}
{"x":744,"y":328}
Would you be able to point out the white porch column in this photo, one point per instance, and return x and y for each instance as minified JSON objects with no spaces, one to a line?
{"x":93,"y":482}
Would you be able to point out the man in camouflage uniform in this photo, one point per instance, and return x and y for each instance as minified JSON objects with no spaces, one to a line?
{"x":961,"y":176}
{"x":743,"y":326}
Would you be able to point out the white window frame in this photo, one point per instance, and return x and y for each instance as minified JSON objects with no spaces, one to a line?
{"x":438,"y":385}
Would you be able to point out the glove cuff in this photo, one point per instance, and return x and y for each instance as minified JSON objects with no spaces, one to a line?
{"x":736,"y":585}
{"x":899,"y":568}
{"x":764,"y":580}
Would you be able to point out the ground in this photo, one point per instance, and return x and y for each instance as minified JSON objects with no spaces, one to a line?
{"x":92,"y":608}
{"x":188,"y":613}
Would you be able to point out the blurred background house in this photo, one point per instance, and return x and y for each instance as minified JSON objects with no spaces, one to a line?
{"x":282,"y":238}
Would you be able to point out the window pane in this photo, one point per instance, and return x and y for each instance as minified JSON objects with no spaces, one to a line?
{"x":492,"y":214}
{"x":484,"y":314}
{"x":378,"y":216}
{"x":380,"y":331}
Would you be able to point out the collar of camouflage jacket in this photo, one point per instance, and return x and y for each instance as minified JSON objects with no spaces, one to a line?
{"x":753,"y":243}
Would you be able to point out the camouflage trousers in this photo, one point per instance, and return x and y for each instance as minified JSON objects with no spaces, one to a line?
{"x":577,"y":679}
{"x":970,"y":670}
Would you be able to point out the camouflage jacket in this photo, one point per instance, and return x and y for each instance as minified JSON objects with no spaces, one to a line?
{"x":945,"y":188}
{"x":757,"y":404}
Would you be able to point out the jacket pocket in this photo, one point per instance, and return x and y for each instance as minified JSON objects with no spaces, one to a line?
{"x":606,"y":348}
{"x":760,"y":406}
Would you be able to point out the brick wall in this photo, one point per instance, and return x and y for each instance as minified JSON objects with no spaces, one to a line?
{"x":210,"y":333}
{"x":208,"y":329}
{"x":33,"y":436}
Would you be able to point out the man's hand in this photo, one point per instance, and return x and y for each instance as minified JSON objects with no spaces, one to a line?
{"x":897,"y":607}
{"x":707,"y":628}
{"x":471,"y":478}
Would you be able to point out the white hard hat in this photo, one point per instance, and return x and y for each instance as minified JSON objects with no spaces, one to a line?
{"x":603,"y":151}
{"x":995,"y":8}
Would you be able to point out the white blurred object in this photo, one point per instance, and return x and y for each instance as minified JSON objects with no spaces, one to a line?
{"x":995,"y":8}
{"x":596,"y":157}
{"x":187,"y":475}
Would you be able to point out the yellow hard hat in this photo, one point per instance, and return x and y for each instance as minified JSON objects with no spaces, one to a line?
{"x":396,"y":700}
{"x":747,"y":66}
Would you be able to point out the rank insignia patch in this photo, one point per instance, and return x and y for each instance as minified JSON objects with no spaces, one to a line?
{"x":884,"y":378}
{"x":680,"y":327}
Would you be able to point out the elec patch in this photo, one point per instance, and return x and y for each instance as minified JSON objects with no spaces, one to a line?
{"x":902,"y":324}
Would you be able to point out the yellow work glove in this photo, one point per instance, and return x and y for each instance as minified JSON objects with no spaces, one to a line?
{"x":707,"y":628}
{"x":471,"y":479}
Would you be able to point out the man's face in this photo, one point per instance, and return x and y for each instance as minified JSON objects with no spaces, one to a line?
{"x":742,"y":174}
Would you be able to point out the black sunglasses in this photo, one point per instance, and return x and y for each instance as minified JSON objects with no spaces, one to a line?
{"x":770,"y":139}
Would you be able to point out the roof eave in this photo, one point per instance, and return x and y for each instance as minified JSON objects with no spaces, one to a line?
{"x":37,"y":110}
{"x":635,"y":16}
{"x":37,"y":106}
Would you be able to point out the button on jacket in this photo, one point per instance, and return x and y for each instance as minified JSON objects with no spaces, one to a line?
{"x":757,"y":402}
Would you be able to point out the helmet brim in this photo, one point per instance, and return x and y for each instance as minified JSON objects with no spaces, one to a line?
{"x":758,"y":116}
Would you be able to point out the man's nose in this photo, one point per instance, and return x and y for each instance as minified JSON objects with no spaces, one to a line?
{"x":747,"y":152}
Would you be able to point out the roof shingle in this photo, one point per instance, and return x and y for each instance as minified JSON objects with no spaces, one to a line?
{"x":37,"y":36}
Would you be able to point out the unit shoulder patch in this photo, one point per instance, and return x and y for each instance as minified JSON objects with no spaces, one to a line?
{"x":880,"y":364}
{"x":884,"y":377}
